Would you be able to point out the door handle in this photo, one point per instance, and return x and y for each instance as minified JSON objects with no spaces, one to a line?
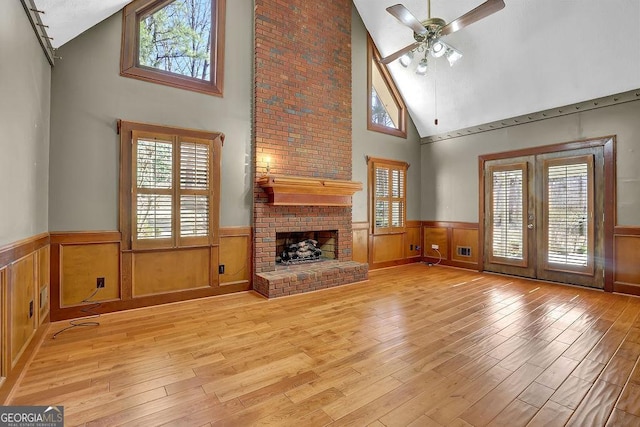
{"x":530,"y":226}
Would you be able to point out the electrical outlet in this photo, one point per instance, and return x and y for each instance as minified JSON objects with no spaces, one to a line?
{"x":435,"y":247}
{"x":100,"y":282}
{"x":221,"y":269}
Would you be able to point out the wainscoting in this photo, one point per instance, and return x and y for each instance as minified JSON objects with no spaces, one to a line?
{"x":136,"y":279}
{"x":24,"y":305}
{"x":386,"y":250}
{"x":626,"y":255}
{"x":457,"y":243}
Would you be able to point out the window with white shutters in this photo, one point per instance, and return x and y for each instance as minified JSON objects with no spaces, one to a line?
{"x":388,"y":192}
{"x":569,"y":213}
{"x":172,"y":190}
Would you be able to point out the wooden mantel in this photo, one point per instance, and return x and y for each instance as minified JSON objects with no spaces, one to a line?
{"x":286,"y":190}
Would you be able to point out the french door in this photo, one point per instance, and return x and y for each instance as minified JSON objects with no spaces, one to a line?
{"x":544,"y":216}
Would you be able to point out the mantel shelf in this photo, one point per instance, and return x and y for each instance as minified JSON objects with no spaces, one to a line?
{"x":286,"y":190}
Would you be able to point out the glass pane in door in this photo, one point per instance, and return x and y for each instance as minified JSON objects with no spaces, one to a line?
{"x":569,"y":199}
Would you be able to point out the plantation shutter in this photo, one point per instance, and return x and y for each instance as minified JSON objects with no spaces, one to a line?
{"x":508,"y":214}
{"x":171,"y":191}
{"x":569,"y":218}
{"x":153,"y":189}
{"x":195,"y":164}
{"x":389,"y":196}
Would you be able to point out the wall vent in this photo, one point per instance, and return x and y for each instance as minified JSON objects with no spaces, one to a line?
{"x":463,"y":251}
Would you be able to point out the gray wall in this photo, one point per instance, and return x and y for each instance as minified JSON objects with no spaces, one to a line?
{"x":88,"y":96}
{"x":450,"y":167}
{"x":375,"y":144}
{"x":25,"y":77}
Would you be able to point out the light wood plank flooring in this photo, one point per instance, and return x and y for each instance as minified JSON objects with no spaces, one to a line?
{"x":415,"y":345}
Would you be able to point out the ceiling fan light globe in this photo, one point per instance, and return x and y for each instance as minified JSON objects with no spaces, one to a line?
{"x":421,"y":70}
{"x":453,"y":56}
{"x":438,"y":49}
{"x":406,"y":59}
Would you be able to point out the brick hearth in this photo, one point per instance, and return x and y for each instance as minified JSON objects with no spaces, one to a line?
{"x":303,"y":125}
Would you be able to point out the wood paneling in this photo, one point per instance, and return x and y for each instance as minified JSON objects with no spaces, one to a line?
{"x":627,"y":264}
{"x":387,"y":247}
{"x":234,"y":254}
{"x":3,"y":324}
{"x":149,"y":285}
{"x":360,"y":245}
{"x":44,"y":256}
{"x":22,"y":308}
{"x":448,"y":235}
{"x":436,"y":236}
{"x":412,"y":240}
{"x":17,"y":250}
{"x":23,"y":267}
{"x":159,"y":272}
{"x":466,"y":238}
{"x":81,"y":265}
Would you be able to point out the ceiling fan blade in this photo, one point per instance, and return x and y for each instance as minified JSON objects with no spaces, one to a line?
{"x":485,"y":9}
{"x":398,"y":54}
{"x":403,"y":15}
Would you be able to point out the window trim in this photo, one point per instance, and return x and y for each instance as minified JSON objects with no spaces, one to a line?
{"x":373,"y":57}
{"x":129,"y":66}
{"x":373,"y":163}
{"x":127,"y":130}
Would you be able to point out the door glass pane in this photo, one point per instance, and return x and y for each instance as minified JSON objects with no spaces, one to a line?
{"x":568,"y":214}
{"x":507,"y":217}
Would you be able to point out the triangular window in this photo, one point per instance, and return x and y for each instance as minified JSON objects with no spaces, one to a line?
{"x":386,"y":110}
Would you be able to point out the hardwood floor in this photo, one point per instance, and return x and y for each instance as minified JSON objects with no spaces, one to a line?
{"x":415,"y":345}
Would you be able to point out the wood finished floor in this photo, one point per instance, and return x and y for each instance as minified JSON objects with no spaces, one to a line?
{"x":415,"y":345}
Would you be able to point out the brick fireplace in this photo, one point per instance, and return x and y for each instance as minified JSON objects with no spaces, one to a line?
{"x":302,"y":128}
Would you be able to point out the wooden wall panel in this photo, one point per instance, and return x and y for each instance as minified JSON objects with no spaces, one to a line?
{"x":412,"y":242}
{"x":387,"y":247}
{"x":44,"y":257}
{"x":81,"y":265}
{"x":235,"y":255}
{"x":437,"y":236}
{"x":3,"y":324}
{"x":360,"y":242}
{"x":627,"y":264}
{"x":467,"y":238}
{"x":448,"y":236}
{"x":169,"y":271}
{"x":22,"y":308}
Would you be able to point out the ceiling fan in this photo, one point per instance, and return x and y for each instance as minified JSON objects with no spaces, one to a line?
{"x":428,"y":33}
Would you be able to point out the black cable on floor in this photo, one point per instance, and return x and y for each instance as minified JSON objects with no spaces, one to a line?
{"x":89,"y":313}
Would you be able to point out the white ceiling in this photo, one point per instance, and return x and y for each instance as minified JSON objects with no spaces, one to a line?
{"x":69,"y":18}
{"x":531,"y":56}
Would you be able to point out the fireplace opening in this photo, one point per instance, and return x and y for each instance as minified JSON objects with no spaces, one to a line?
{"x":306,"y":246}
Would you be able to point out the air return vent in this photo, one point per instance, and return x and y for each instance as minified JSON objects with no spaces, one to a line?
{"x":463,"y":251}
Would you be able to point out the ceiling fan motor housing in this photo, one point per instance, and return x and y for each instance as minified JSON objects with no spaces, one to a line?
{"x":433,"y":26}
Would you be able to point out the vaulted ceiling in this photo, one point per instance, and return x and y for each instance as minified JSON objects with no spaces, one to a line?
{"x":530,"y":56}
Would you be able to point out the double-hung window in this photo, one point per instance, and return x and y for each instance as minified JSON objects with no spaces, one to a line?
{"x":169,"y":186}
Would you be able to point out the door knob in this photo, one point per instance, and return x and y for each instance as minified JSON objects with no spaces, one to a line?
{"x":530,"y":226}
